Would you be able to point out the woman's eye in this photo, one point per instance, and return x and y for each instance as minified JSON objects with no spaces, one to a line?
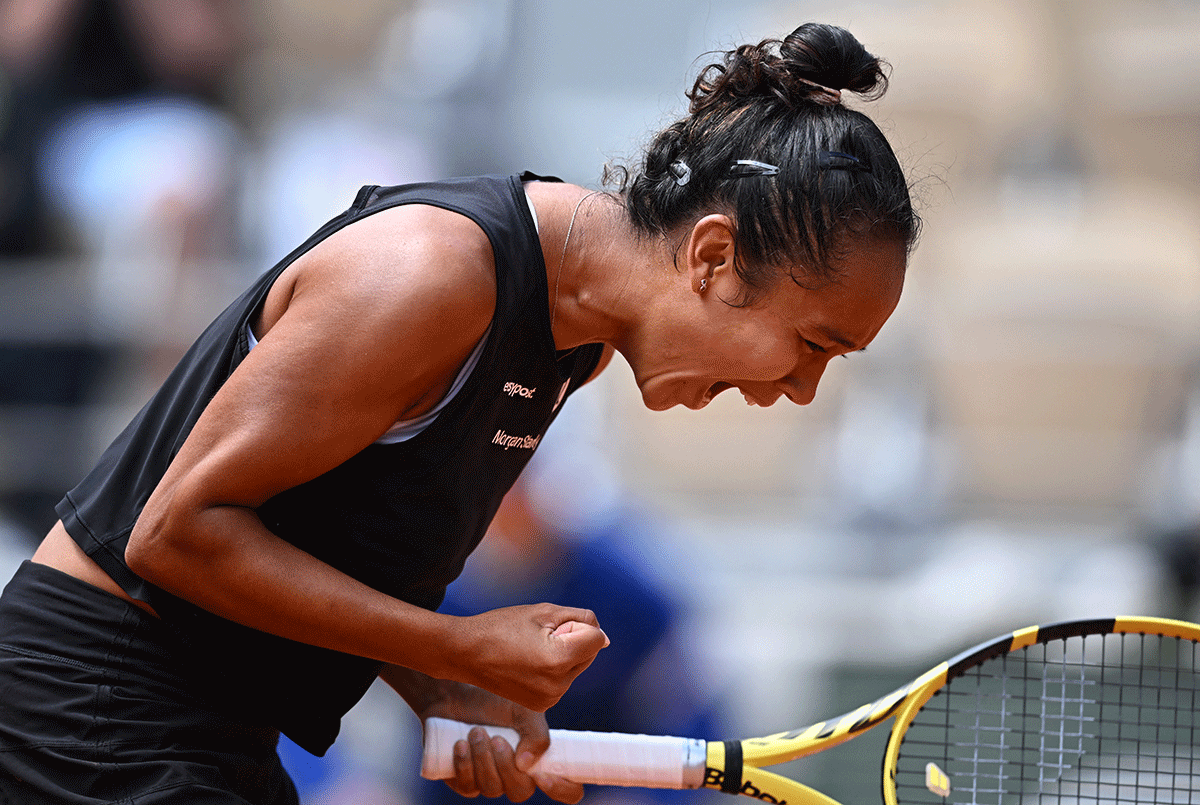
{"x":815,"y":347}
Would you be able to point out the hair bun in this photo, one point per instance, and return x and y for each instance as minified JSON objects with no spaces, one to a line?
{"x":813,"y":64}
{"x":804,"y":176}
{"x":832,"y":57}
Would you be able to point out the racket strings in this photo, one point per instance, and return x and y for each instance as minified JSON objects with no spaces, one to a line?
{"x":1102,"y":718}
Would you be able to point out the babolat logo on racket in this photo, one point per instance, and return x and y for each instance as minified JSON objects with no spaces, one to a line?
{"x":715,"y":778}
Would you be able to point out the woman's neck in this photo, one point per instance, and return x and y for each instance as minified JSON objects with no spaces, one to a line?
{"x":594,"y":268}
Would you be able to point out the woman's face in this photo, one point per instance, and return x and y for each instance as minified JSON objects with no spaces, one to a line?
{"x":777,"y":347}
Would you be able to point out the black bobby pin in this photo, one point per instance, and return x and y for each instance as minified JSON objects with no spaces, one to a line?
{"x":836,"y":160}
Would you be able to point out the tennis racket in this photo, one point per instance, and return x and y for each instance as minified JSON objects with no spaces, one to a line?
{"x":1094,"y":711}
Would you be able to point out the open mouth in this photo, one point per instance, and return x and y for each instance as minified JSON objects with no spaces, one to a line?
{"x":714,"y":390}
{"x":717,"y":388}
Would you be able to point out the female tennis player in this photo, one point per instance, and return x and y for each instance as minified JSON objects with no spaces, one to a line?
{"x":276,"y":527}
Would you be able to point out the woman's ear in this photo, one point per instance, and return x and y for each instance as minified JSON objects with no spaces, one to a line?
{"x":709,"y":251}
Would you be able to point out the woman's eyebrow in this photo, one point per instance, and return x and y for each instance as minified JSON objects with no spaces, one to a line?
{"x":838,"y":338}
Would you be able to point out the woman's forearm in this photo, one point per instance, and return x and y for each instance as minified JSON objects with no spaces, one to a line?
{"x":223,"y":559}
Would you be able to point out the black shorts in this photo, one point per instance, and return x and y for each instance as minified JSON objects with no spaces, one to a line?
{"x":94,"y":709}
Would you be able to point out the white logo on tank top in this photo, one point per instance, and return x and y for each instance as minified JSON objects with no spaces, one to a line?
{"x":520,"y":442}
{"x":517,"y":390}
{"x":507,"y":440}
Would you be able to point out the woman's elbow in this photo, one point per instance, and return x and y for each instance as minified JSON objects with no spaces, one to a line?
{"x":152,"y":550}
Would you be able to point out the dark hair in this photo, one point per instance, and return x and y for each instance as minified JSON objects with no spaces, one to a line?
{"x":778,"y":103}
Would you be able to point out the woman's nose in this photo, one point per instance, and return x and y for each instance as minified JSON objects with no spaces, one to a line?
{"x":801,"y":386}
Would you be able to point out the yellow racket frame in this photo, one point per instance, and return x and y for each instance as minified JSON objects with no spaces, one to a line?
{"x":904,"y":703}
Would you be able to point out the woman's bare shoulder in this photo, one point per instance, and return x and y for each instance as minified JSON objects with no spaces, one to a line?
{"x":408,"y":270}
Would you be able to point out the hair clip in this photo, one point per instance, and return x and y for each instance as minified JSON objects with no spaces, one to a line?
{"x":682,"y":173}
{"x":836,"y":160}
{"x":822,"y":95}
{"x":752,"y":167}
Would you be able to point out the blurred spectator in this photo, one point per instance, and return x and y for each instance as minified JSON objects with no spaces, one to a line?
{"x":115,"y":141}
{"x":115,"y":147}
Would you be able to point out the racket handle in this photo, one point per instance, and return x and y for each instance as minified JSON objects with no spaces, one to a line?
{"x":600,"y":758}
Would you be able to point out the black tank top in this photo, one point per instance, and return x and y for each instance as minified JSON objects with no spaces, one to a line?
{"x":400,"y":517}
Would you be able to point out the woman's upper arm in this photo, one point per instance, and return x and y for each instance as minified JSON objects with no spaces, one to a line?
{"x":378,"y":320}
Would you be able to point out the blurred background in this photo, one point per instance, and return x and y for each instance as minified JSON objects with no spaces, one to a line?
{"x":1021,"y":444}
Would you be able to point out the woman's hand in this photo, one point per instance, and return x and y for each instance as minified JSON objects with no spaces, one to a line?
{"x":485,"y":765}
{"x":528,"y":654}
